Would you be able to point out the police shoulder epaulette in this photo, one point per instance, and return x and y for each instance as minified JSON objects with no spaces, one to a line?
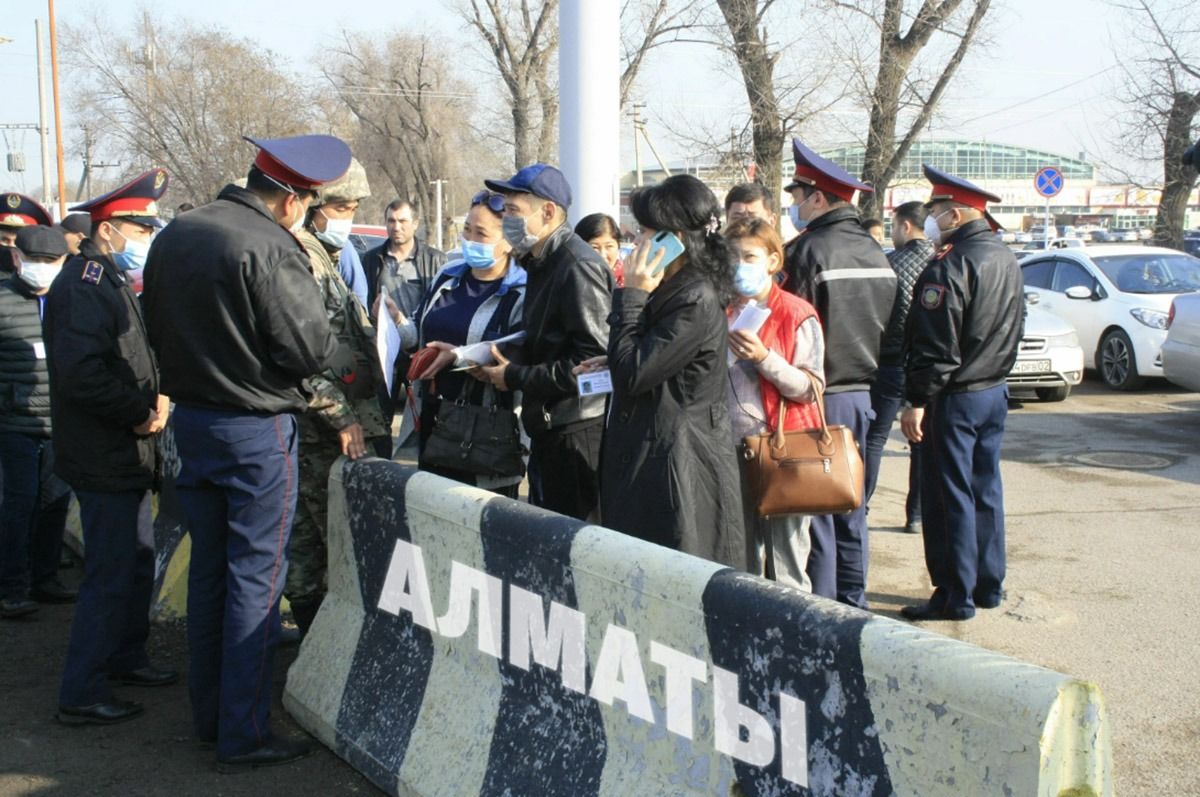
{"x":93,"y":272}
{"x":945,"y":250}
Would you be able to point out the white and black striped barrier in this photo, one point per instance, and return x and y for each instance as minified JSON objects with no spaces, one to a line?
{"x":475,"y":645}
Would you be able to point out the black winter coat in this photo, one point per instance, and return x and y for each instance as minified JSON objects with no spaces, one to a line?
{"x":24,"y":376}
{"x":103,"y":378}
{"x":837,"y":266}
{"x":967,"y":317}
{"x":669,"y":473}
{"x":234,"y":313}
{"x":567,"y":297}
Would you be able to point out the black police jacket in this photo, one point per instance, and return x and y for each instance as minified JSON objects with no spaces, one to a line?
{"x":234,"y":313}
{"x":837,"y":266}
{"x":567,"y":299}
{"x":103,"y":379}
{"x":24,"y":375}
{"x":967,"y":317}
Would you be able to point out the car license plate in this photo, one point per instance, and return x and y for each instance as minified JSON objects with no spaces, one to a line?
{"x":1031,"y":367}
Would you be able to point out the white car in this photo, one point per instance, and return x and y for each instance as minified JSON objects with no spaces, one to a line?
{"x":1049,"y":361}
{"x":1181,"y":351}
{"x":1117,"y":298}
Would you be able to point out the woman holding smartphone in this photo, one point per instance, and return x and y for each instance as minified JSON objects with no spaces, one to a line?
{"x":668,"y":474}
{"x":776,"y":376}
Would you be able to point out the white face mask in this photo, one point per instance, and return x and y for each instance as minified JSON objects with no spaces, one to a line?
{"x":932,"y":231}
{"x":336,"y":232}
{"x":39,"y":275}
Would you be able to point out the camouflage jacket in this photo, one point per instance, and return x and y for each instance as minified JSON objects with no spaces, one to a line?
{"x":350,"y":396}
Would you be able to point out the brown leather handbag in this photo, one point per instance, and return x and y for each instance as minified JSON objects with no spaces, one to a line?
{"x":806,"y":472}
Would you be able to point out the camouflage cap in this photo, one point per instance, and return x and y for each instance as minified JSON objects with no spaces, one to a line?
{"x":350,"y":186}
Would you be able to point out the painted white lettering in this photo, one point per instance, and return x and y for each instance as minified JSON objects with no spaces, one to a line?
{"x":730,"y":717}
{"x":682,"y":670}
{"x":454,"y":623}
{"x":565,"y":637}
{"x":406,"y":587}
{"x":619,"y":673}
{"x":793,"y":738}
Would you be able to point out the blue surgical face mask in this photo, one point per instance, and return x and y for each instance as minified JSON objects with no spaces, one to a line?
{"x":751,"y":279}
{"x":133,"y":256}
{"x":516,"y":232}
{"x":478,"y":255}
{"x":794,"y":217}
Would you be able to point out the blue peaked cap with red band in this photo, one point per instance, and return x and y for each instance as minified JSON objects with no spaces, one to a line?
{"x":303,"y":162}
{"x":822,"y":173}
{"x":18,"y":210}
{"x":540,"y":179}
{"x":136,"y":201}
{"x":948,"y":188}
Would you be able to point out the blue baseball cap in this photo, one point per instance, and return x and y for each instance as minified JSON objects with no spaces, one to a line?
{"x":540,"y":179}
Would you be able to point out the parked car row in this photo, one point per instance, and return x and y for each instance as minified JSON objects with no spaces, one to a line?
{"x":1117,"y":299}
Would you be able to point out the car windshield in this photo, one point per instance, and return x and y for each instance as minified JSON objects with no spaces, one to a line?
{"x":1151,"y":273}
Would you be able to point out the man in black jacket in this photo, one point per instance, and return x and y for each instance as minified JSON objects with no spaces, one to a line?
{"x":910,"y":257}
{"x":402,"y":268}
{"x":837,"y":266}
{"x":964,"y":330}
{"x":106,"y":410}
{"x":35,"y":500}
{"x":237,"y":321}
{"x":566,"y":303}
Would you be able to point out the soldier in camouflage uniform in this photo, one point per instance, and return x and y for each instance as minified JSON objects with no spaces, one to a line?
{"x":344,"y":415}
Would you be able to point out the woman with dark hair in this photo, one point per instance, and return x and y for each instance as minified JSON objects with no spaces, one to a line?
{"x":477,"y":298}
{"x":668,"y":474}
{"x":601,"y":232}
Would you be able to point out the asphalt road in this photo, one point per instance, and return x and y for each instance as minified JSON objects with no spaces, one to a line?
{"x":1102,"y":494}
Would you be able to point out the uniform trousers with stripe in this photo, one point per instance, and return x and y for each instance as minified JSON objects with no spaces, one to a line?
{"x":237,"y":487}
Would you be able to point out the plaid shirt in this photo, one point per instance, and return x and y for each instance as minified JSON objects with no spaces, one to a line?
{"x":908,"y":262}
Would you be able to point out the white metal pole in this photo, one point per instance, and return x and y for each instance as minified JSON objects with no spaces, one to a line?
{"x":43,"y":125}
{"x":437,"y":222}
{"x":589,"y":129}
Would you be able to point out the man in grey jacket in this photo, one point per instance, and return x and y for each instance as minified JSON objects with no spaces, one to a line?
{"x":567,"y":300}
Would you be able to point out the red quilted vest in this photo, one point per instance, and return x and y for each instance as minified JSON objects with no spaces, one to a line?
{"x":778,"y":334}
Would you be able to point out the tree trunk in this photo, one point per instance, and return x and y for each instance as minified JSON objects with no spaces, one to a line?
{"x":1178,"y":179}
{"x":525,"y":146}
{"x":757,"y":66}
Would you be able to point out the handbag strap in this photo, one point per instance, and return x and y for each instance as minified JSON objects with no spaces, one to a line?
{"x":777,"y":440}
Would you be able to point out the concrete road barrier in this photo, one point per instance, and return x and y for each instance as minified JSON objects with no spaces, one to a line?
{"x":471,"y":644}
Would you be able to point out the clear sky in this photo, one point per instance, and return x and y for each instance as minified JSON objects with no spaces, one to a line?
{"x":1047,"y":80}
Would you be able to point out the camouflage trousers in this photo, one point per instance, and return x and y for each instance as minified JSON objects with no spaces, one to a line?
{"x":308,"y":559}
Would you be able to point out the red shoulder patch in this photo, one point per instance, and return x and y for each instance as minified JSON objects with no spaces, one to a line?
{"x":945,"y":250}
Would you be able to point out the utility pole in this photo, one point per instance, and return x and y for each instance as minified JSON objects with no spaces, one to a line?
{"x":43,"y":124}
{"x":637,"y":147}
{"x":62,"y":179}
{"x":85,"y":178}
{"x":438,"y":224}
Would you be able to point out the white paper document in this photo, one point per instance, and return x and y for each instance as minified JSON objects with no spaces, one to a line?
{"x":480,"y":353}
{"x":752,"y":317}
{"x":387,"y":343}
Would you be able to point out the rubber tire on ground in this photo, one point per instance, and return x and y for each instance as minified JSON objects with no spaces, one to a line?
{"x":1118,"y":363}
{"x":1053,"y":393}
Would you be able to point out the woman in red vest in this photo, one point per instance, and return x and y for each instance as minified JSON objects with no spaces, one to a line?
{"x":783,"y":359}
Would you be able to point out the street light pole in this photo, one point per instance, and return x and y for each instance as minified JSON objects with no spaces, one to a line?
{"x":62,"y":180}
{"x":43,"y":125}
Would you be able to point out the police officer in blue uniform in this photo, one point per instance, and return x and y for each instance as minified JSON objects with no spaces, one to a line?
{"x":839,"y":268}
{"x":17,"y":211}
{"x":964,"y":328}
{"x":237,"y":321}
{"x":105,"y":411}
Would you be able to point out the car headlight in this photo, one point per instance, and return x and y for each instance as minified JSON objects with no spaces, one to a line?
{"x":1155,"y":319}
{"x":1069,"y":340}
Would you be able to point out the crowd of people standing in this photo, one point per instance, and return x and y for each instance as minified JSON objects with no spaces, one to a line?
{"x":256,"y":335}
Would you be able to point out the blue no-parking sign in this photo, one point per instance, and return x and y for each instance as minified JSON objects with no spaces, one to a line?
{"x":1048,"y":181}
